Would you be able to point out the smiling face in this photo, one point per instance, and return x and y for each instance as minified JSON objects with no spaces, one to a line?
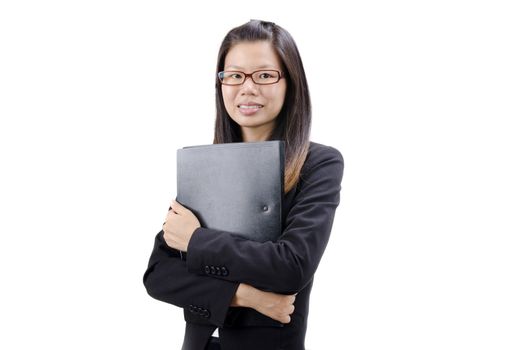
{"x":254,"y":107}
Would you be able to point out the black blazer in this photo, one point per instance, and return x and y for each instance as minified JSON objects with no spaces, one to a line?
{"x":216,"y":262}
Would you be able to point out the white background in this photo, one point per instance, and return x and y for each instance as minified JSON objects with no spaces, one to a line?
{"x":426,"y":100}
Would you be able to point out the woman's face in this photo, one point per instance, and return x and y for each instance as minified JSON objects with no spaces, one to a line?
{"x":254,"y":107}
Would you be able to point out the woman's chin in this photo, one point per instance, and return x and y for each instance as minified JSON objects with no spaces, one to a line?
{"x":252,"y":120}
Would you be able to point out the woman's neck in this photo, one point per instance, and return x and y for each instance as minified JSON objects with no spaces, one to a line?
{"x":256,"y":134}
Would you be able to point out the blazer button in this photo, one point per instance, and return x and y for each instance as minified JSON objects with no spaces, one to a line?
{"x":206,"y":314}
{"x":217,"y":271}
{"x":207,"y":269}
{"x":224,"y":271}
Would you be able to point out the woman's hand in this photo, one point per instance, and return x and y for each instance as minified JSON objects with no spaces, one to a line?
{"x":276,"y":306}
{"x":179,"y":226}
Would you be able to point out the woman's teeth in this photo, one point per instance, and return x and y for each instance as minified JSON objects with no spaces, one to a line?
{"x":249,"y":107}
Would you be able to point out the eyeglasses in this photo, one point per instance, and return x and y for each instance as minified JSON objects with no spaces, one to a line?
{"x":260,"y":77}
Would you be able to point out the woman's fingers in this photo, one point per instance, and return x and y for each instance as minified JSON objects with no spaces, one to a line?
{"x":174,"y":206}
{"x":170,"y":213}
{"x":177,"y":207}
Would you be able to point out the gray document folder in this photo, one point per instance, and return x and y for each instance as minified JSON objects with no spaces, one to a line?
{"x":234,"y":187}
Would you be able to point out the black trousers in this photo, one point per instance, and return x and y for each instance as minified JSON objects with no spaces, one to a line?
{"x":213,"y":344}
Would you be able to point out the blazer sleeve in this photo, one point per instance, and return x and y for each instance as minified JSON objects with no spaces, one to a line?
{"x":205,"y":300}
{"x":287,"y":265}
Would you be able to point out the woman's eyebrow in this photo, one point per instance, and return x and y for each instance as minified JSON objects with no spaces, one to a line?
{"x":259,"y":67}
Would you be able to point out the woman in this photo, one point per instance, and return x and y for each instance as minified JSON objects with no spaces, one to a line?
{"x":257,"y":294}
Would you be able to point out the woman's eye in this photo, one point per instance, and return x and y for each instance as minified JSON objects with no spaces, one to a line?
{"x":265,"y":76}
{"x":232,"y":76}
{"x":236,"y":76}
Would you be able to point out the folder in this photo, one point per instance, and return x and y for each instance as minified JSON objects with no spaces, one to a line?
{"x":234,"y":187}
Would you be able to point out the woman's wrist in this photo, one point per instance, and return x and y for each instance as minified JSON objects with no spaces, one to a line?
{"x":243,"y":295}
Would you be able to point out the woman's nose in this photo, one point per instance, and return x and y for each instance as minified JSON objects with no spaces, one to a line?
{"x":249,"y":86}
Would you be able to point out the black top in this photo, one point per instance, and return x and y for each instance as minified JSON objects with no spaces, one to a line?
{"x":217,"y":262}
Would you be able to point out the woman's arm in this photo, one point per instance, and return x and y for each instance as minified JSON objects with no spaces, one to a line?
{"x":287,"y":265}
{"x":205,"y":300}
{"x":276,"y":306}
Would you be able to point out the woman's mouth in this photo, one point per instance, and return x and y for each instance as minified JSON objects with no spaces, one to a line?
{"x":249,"y":109}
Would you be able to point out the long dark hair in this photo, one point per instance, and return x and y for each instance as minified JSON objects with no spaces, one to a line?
{"x":294,"y":120}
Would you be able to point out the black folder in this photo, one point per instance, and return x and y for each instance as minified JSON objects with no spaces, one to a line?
{"x":234,"y":187}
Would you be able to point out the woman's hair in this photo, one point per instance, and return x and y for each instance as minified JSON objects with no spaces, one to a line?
{"x":294,"y":120}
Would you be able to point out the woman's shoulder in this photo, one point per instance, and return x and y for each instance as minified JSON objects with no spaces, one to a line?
{"x":319,"y":154}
